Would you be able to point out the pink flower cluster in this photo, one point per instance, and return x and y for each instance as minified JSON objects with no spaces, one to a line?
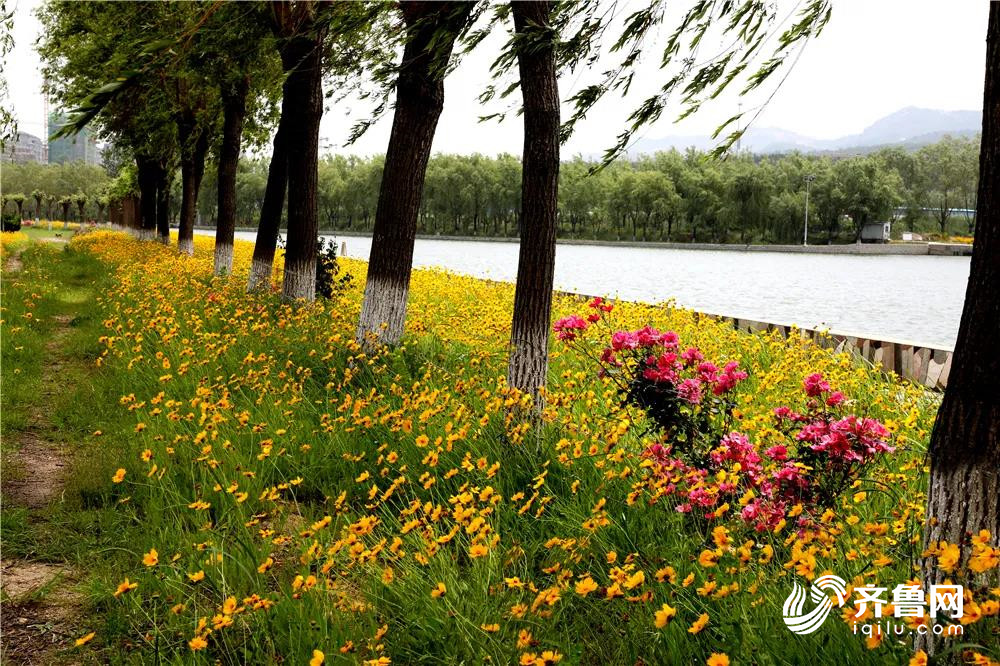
{"x":656,"y":374}
{"x":657,"y":358}
{"x":829,"y":452}
{"x":700,"y":460}
{"x":568,"y":327}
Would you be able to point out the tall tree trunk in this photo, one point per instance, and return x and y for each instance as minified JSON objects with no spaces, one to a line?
{"x":270,"y":213}
{"x":146,"y":176}
{"x":194,"y":147}
{"x":163,"y":202}
{"x":964,"y":493}
{"x":234,"y":109}
{"x":419,"y":101}
{"x":189,"y":199}
{"x":529,"y":338}
{"x":304,"y":93}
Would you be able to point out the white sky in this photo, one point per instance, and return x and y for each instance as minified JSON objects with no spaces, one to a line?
{"x":874,"y":57}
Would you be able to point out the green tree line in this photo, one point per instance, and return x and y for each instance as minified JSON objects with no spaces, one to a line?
{"x":39,"y":190}
{"x":669,"y":196}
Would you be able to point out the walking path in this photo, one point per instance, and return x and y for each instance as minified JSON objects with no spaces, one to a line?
{"x":39,"y":606}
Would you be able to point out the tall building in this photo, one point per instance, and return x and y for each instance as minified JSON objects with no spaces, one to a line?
{"x":28,"y":148}
{"x":81,"y":147}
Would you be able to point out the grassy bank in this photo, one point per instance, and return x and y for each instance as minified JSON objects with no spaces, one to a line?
{"x":251,"y":487}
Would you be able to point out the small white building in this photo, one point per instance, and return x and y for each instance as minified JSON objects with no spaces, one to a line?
{"x":876,"y":232}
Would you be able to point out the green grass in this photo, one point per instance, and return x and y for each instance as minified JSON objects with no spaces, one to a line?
{"x":41,"y":232}
{"x":53,"y":375}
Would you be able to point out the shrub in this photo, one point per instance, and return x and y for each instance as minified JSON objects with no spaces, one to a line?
{"x":704,"y":463}
{"x":327,"y":270}
{"x":11,"y":222}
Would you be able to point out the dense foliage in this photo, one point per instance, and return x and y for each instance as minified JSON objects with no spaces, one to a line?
{"x":43,"y":185}
{"x":667,"y":196}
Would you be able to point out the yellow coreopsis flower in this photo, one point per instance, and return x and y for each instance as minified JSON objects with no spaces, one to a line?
{"x":635,"y":580}
{"x":708,"y":558}
{"x":83,"y":640}
{"x":664,"y":615}
{"x":125,"y":586}
{"x":718,"y":659}
{"x":229,"y":606}
{"x":152,"y":558}
{"x":699,"y":624}
{"x":948,"y":556}
{"x":439,"y":591}
{"x":585,"y":586}
{"x":984,"y":559}
{"x":119,"y":475}
{"x":317,"y":658}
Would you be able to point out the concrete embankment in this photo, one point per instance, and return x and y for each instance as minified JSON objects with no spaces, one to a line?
{"x":874,"y":249}
{"x":918,"y":363}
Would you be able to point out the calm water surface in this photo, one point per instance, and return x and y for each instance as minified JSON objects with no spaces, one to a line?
{"x":912,"y":298}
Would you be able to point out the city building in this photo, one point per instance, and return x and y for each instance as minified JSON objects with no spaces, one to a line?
{"x":28,"y":148}
{"x":81,"y":147}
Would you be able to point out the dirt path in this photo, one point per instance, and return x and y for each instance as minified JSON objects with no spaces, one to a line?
{"x":40,"y":608}
{"x":14,"y":263}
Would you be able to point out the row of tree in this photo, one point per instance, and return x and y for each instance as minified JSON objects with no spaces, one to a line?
{"x":668,"y":196}
{"x":50,"y":191}
{"x":171,"y":82}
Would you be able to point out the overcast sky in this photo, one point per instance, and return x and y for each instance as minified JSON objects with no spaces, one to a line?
{"x":874,"y":57}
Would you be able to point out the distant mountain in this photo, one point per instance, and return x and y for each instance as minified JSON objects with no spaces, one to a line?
{"x":909,"y":128}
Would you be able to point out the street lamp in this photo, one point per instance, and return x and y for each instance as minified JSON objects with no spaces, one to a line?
{"x":805,"y":232}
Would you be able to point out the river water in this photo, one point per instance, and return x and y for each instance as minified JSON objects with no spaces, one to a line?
{"x":911,"y":298}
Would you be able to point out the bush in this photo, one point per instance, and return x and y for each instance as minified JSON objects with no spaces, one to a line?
{"x":691,"y":401}
{"x":11,"y":222}
{"x":327,"y":270}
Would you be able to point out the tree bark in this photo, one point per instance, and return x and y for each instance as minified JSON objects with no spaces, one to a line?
{"x":234,"y":109}
{"x":304,"y":93}
{"x":964,"y":493}
{"x":270,"y":213}
{"x":189,"y":197}
{"x":163,"y":202}
{"x":194,"y":147}
{"x":419,"y":101}
{"x":301,"y":39}
{"x":146,"y":176}
{"x":528,"y":363}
